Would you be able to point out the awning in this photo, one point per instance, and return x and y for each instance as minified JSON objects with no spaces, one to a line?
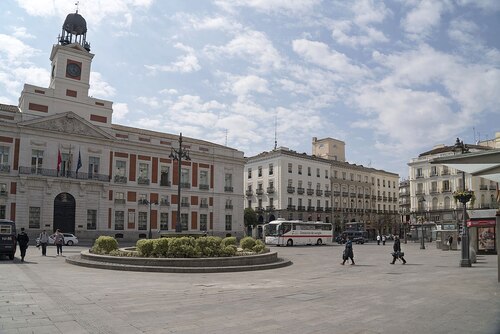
{"x":485,"y":164}
{"x":481,"y":223}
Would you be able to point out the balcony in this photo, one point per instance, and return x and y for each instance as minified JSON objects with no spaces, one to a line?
{"x":483,"y":187}
{"x":345,"y":194}
{"x":203,"y":187}
{"x":185,"y":185}
{"x":67,"y":174}
{"x":336,"y":193}
{"x":229,"y":206}
{"x":434,"y":191}
{"x":143,"y":202}
{"x":300,"y":190}
{"x":301,"y":208}
{"x":367,"y":196}
{"x":290,"y":189}
{"x":420,"y":192}
{"x":328,"y":193}
{"x":270,"y":208}
{"x":360,"y":195}
{"x":310,"y":191}
{"x":4,"y":168}
{"x":259,"y":192}
{"x":319,"y":192}
{"x":319,"y":208}
{"x":119,"y":200}
{"x":270,"y":190}
{"x":164,"y":202}
{"x":228,"y":189}
{"x":185,"y":205}
{"x":385,"y":199}
{"x":290,"y":207}
{"x":120,"y":179}
{"x":445,"y":172}
{"x":248,"y":192}
{"x":444,"y":191}
{"x":419,"y":177}
{"x":259,"y":209}
{"x":379,"y":198}
{"x":143,"y":180}
{"x":204,"y":205}
{"x":352,"y":195}
{"x":310,"y":208}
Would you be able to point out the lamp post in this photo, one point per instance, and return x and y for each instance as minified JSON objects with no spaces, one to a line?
{"x":421,"y":200}
{"x":465,"y":261}
{"x":178,"y":154}
{"x":331,"y":205}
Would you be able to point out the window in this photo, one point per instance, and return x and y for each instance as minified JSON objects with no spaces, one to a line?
{"x":249,"y":203}
{"x":165,"y":175}
{"x":2,"y":211}
{"x":344,"y":175}
{"x":119,"y":220}
{"x":271,"y":184}
{"x":289,"y":168}
{"x":308,"y":171}
{"x":446,"y":185}
{"x":259,"y":171}
{"x":185,"y":177}
{"x":290,"y":182}
{"x":359,"y":178}
{"x":3,"y":189}
{"x":184,"y":221}
{"x":335,"y":174}
{"x":351,"y":175}
{"x":317,"y":172}
{"x":93,"y":166}
{"x":228,"y":182}
{"x":91,"y":219}
{"x":383,"y":183}
{"x":271,"y":171}
{"x":299,"y":183}
{"x":299,"y":169}
{"x":419,"y":173}
{"x":120,"y":196}
{"x":204,"y":179}
{"x":290,"y":202}
{"x":229,"y":224}
{"x":164,"y":221}
{"x":378,"y":182}
{"x":318,"y":186}
{"x":143,"y":171}
{"x":433,"y":170}
{"x":318,"y":203}
{"x":143,"y":198}
{"x":34,"y":217}
{"x":142,"y":221}
{"x":4,"y":155}
{"x":121,"y":168}
{"x":249,"y":173}
{"x":36,"y":161}
{"x":203,"y":222}
{"x":185,"y":201}
{"x":326,"y":173}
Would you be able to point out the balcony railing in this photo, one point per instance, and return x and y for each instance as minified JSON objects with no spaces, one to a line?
{"x":185,"y":205}
{"x":270,"y":190}
{"x":301,"y":208}
{"x":290,"y":190}
{"x":4,"y":168}
{"x":185,"y":185}
{"x":352,"y":195}
{"x":319,"y":208}
{"x":204,"y":205}
{"x":67,"y":174}
{"x":319,"y":192}
{"x":445,"y":172}
{"x":310,"y":208}
{"x":336,"y":193}
{"x":483,"y":187}
{"x":228,"y":189}
{"x":259,"y":209}
{"x":300,"y":190}
{"x":143,"y":180}
{"x":203,"y":187}
{"x":435,"y":191}
{"x":259,"y":192}
{"x":419,"y":192}
{"x":165,"y":183}
{"x":270,"y":208}
{"x":345,"y":194}
{"x":310,"y":191}
{"x":444,"y":191}
{"x":120,"y":179}
{"x":119,"y":200}
{"x":164,"y":202}
{"x":248,"y":192}
{"x":328,"y":193}
{"x":229,"y":206}
{"x":291,"y":207}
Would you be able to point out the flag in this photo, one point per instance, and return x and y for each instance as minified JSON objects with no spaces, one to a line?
{"x":59,"y":160}
{"x":79,"y":163}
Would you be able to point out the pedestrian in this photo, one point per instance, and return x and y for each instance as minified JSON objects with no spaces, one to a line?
{"x":59,"y":241}
{"x":383,"y":240}
{"x":44,"y":240}
{"x":450,"y":241}
{"x":348,"y":252}
{"x":459,"y":238}
{"x":23,"y":240}
{"x":378,"y":239}
{"x":397,"y":251}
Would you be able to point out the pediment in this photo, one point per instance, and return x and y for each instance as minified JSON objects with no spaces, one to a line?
{"x":67,"y":123}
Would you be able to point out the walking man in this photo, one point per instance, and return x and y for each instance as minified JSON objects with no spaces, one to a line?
{"x":23,"y":240}
{"x":378,"y":239}
{"x":348,"y":252}
{"x":44,"y":240}
{"x":397,"y":251}
{"x":59,"y":241}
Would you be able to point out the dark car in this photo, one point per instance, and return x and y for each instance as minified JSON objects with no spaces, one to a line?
{"x":8,"y":241}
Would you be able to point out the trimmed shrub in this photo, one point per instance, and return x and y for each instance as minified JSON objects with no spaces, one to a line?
{"x":104,"y":245}
{"x":183,"y":247}
{"x":160,"y":247}
{"x":227,"y":241}
{"x":208,"y":246}
{"x":247,"y":243}
{"x":259,"y":246}
{"x":229,"y":250}
{"x":144,"y":247}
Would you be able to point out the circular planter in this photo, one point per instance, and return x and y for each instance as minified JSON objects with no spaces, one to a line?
{"x":264,"y":261}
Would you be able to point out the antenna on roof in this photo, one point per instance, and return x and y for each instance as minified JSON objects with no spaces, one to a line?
{"x":76,"y":4}
{"x":275,"y":131}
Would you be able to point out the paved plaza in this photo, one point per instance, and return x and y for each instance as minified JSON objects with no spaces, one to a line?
{"x":431,"y":294}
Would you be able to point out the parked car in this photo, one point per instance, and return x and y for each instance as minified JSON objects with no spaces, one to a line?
{"x":8,"y":240}
{"x":69,"y":239}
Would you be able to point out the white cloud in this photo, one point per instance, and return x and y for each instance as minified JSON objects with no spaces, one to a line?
{"x":291,"y":7}
{"x":99,"y":87}
{"x":368,"y":11}
{"x":21,"y":32}
{"x":345,"y":33}
{"x":243,"y":86}
{"x":185,"y":64}
{"x":120,"y":111}
{"x":14,"y":51}
{"x":217,"y":22}
{"x":424,"y":17}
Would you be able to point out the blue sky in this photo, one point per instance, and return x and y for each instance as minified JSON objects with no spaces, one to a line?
{"x":390,"y":78}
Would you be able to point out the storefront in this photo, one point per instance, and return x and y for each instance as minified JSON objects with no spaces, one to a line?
{"x":484,"y":233}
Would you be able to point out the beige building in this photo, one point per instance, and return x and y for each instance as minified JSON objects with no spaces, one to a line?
{"x":64,"y":164}
{"x":286,"y":184}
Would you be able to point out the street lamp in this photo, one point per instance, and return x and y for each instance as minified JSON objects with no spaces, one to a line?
{"x":421,"y":200}
{"x":148,"y":203}
{"x":465,"y":261}
{"x":178,"y":154}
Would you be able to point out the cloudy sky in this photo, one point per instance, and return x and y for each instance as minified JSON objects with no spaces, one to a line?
{"x":390,"y":78}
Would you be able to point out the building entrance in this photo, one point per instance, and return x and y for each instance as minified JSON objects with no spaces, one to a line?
{"x":64,"y":213}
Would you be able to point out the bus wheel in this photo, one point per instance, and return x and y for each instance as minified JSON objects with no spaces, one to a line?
{"x":319,"y":242}
{"x":289,"y":242}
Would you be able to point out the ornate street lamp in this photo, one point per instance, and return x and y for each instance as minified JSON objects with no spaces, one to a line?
{"x":148,"y":203}
{"x":421,"y":200}
{"x":179,"y":154}
{"x":463,"y":197}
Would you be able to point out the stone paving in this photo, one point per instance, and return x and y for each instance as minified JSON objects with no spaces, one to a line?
{"x":431,"y":294}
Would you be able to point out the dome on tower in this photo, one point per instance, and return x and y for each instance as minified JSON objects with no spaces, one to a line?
{"x":75,"y":24}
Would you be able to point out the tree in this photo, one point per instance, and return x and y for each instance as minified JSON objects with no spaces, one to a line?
{"x":250,"y":217}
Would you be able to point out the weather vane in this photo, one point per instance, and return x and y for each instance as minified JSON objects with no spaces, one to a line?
{"x":76,"y":4}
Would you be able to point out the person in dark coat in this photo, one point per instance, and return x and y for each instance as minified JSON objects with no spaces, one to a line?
{"x":23,"y":240}
{"x":450,"y":241}
{"x":348,"y":252}
{"x":397,"y":251}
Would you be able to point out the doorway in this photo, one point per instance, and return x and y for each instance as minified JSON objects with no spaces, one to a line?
{"x":64,"y":213}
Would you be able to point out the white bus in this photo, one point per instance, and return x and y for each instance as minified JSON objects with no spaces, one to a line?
{"x":296,"y":232}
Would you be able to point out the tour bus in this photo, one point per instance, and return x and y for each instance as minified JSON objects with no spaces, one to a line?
{"x":296,"y":232}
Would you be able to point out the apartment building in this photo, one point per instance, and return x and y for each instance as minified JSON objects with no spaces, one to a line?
{"x":65,"y":165}
{"x":286,"y":184}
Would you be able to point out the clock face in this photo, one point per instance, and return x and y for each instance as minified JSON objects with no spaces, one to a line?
{"x":73,"y":70}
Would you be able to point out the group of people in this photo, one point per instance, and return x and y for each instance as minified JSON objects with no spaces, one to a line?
{"x":382,"y":238}
{"x":23,"y":241}
{"x":396,"y":254}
